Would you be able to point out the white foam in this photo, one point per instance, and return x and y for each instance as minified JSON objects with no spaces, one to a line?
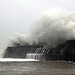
{"x":15,"y":60}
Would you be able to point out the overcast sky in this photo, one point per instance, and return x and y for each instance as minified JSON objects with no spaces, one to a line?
{"x":18,"y":15}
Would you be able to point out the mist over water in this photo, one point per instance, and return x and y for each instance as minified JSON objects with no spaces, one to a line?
{"x":52,"y":27}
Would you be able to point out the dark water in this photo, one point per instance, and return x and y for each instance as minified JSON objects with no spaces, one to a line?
{"x":37,"y":68}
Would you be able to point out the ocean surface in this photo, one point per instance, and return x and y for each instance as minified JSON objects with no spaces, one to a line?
{"x":34,"y":67}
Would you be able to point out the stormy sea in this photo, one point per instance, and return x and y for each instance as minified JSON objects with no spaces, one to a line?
{"x":33,"y":67}
{"x":48,"y":50}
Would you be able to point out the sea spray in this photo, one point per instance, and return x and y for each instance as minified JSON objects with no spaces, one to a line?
{"x":52,"y":27}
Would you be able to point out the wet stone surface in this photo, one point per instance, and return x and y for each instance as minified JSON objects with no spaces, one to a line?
{"x":37,"y":68}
